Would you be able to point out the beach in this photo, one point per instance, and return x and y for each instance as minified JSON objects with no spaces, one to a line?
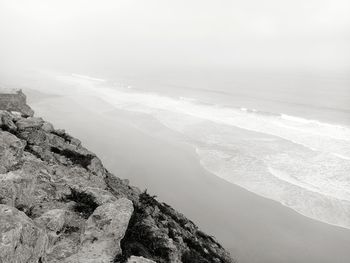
{"x":251,"y":227}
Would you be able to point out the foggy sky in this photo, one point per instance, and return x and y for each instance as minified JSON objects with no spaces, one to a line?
{"x":97,"y":34}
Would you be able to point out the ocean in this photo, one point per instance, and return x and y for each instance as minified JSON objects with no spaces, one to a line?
{"x":284,"y":137}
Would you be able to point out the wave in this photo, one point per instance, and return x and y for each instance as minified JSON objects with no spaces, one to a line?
{"x":315,"y":135}
{"x":88,"y":77}
{"x":341,"y":156}
{"x":328,"y":203}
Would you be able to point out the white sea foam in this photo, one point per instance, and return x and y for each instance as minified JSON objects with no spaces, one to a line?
{"x":88,"y":77}
{"x":312,"y":134}
{"x":188,"y":99}
{"x":341,"y":156}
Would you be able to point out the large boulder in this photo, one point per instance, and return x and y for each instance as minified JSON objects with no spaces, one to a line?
{"x":21,"y":240}
{"x":104,"y":230}
{"x":31,"y":122}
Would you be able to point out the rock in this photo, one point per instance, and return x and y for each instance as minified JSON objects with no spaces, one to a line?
{"x":11,"y":151}
{"x":31,"y":122}
{"x":27,"y":111}
{"x":60,"y":132}
{"x":175,"y":238}
{"x":119,"y":188}
{"x":103,"y":232}
{"x":96,"y":166}
{"x":14,"y":100}
{"x":16,"y":189}
{"x":6,"y":121}
{"x":100,"y":196}
{"x":47,"y":127}
{"x":134,"y":259}
{"x":61,"y":250}
{"x":75,"y":141}
{"x":78,"y":177}
{"x":52,"y":220}
{"x":21,"y":240}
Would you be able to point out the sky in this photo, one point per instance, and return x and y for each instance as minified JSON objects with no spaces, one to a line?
{"x":155,"y":34}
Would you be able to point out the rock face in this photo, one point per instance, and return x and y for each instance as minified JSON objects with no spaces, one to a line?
{"x":59,"y":204}
{"x":21,"y":240}
{"x":14,"y":100}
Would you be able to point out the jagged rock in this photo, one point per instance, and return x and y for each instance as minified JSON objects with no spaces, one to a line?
{"x":134,"y":259}
{"x":96,"y":166}
{"x":14,"y":100}
{"x":47,"y":127}
{"x":11,"y":150}
{"x":6,"y":121}
{"x":16,"y":189}
{"x":53,"y":220}
{"x":61,"y":250}
{"x":21,"y":240}
{"x":100,"y":196}
{"x":31,"y":122}
{"x":103,"y":232}
{"x":119,"y":188}
{"x":60,"y":132}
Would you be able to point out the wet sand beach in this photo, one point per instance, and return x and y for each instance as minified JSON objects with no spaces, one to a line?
{"x":252,"y":228}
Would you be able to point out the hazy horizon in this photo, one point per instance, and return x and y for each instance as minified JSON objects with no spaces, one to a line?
{"x":131,"y":37}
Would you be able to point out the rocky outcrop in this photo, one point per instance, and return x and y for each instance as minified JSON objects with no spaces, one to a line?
{"x":21,"y":240}
{"x":59,"y":204}
{"x":14,"y":100}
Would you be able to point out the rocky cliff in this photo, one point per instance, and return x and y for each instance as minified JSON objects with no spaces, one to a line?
{"x":14,"y":100}
{"x":59,"y":204}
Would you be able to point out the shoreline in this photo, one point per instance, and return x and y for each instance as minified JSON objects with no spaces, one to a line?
{"x":255,"y":228}
{"x":85,"y":87}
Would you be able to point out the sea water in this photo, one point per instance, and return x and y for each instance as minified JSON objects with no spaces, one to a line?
{"x":278,"y":143}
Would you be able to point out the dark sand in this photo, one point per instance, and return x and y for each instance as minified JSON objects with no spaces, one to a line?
{"x":252,"y":228}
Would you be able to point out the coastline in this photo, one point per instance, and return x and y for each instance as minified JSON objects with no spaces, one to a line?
{"x":172,"y":171}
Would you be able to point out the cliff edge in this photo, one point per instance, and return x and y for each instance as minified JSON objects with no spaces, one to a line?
{"x":14,"y":100}
{"x":59,"y":204}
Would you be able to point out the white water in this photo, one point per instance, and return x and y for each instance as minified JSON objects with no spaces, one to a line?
{"x":304,"y":164}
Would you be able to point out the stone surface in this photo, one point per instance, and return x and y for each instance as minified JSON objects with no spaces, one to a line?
{"x":104,"y":230}
{"x":6,"y":121}
{"x":16,"y":189}
{"x":47,"y":127}
{"x":11,"y":151}
{"x":52,"y":220}
{"x":134,"y":259}
{"x":30,"y":122}
{"x":21,"y":240}
{"x":14,"y":100}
